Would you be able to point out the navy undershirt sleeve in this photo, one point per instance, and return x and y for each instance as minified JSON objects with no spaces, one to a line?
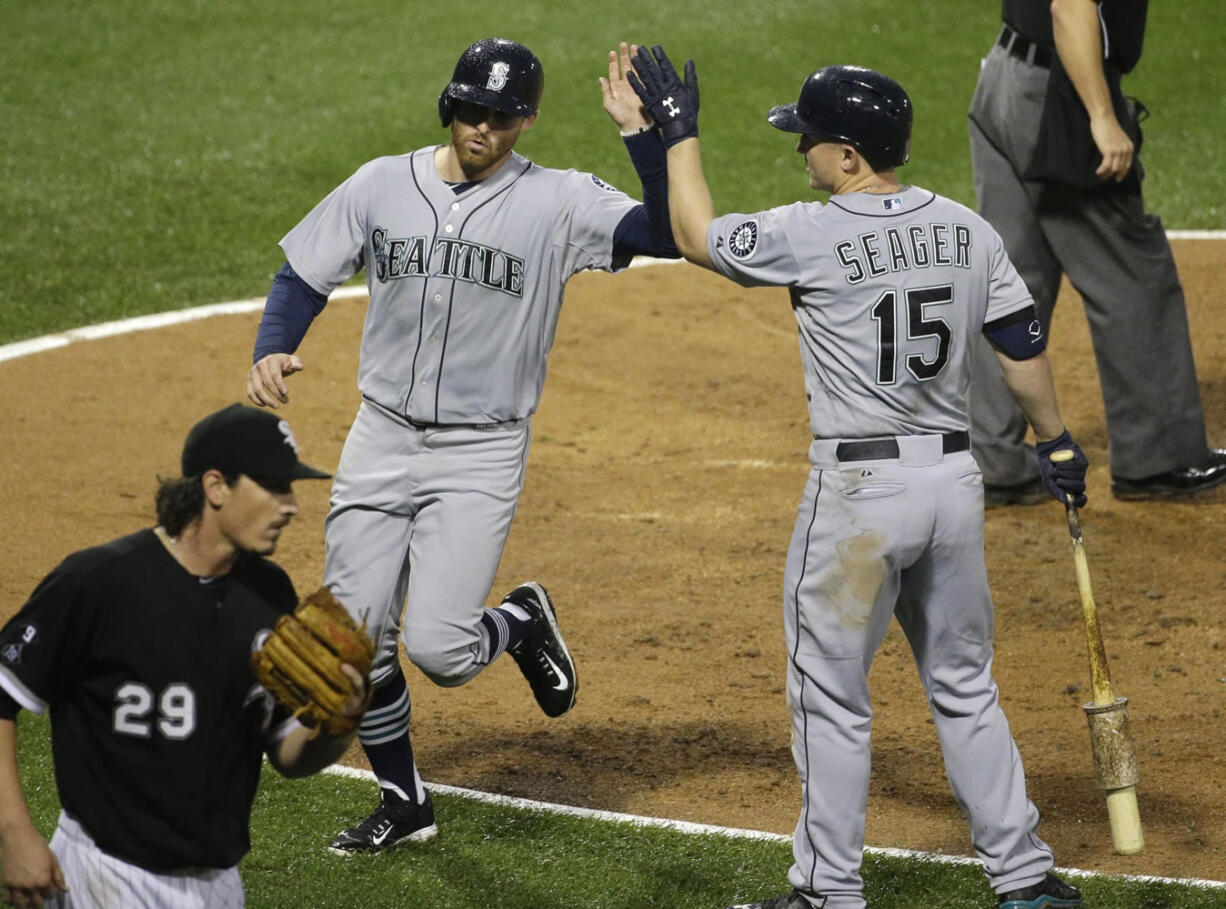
{"x":291,"y":307}
{"x":646,"y":230}
{"x":1019,"y":335}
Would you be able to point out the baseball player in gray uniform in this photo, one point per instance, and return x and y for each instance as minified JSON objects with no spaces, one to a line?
{"x":891,"y":286}
{"x":467,"y":247}
{"x":141,"y":650}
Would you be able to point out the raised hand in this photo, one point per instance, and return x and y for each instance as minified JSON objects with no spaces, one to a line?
{"x":672,"y":104}
{"x":620,"y":101}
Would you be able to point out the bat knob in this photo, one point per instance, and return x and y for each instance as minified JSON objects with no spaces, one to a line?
{"x":1062,"y":455}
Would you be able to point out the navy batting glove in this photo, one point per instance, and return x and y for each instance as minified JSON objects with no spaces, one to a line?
{"x":1063,"y":477}
{"x":671,"y":103}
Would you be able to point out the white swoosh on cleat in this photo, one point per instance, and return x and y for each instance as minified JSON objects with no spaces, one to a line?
{"x":563,"y":682}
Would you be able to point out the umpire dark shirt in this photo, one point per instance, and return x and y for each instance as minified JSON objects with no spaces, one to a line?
{"x":1124,"y":21}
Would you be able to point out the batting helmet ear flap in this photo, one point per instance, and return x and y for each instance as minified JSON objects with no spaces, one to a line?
{"x":446,"y":104}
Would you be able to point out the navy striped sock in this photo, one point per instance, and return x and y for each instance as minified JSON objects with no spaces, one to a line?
{"x":505,"y":630}
{"x":384,"y":734}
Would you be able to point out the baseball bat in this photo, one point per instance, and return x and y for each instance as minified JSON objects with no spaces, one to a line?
{"x":1115,"y":759}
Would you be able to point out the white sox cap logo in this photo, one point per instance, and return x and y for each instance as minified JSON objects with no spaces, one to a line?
{"x":498,"y":77}
{"x":289,"y":436}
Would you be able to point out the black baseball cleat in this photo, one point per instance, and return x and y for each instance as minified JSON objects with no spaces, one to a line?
{"x":791,"y":900}
{"x":394,"y":822}
{"x":1174,"y":484}
{"x":1049,"y":893}
{"x":542,"y":656}
{"x":1028,"y":492}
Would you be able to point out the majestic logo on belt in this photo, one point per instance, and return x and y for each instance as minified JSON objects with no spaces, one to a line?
{"x":472,"y":263}
{"x":498,"y":77}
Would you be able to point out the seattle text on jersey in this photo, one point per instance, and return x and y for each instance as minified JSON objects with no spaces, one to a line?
{"x":406,"y":257}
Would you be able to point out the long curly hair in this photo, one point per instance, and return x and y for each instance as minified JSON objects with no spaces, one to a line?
{"x":180,"y":501}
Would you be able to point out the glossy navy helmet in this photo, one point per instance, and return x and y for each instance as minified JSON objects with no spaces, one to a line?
{"x":856,"y":105}
{"x":495,"y":73}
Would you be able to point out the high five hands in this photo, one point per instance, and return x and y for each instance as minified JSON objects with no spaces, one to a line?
{"x":672,"y":103}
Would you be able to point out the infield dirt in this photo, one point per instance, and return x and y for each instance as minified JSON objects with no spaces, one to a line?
{"x":667,"y":463}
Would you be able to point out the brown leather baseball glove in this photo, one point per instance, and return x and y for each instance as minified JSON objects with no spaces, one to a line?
{"x":300,"y":663}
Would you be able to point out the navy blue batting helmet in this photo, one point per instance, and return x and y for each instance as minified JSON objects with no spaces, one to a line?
{"x":856,"y":105}
{"x":495,"y":73}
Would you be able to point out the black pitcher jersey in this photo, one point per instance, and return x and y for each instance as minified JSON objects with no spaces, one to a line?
{"x":158,"y":724}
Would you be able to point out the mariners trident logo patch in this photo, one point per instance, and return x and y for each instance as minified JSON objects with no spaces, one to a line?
{"x":744,"y":239}
{"x":498,"y":77}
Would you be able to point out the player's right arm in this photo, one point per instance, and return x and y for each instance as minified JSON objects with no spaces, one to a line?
{"x":291,"y":306}
{"x":673,"y":104}
{"x":29,"y":871}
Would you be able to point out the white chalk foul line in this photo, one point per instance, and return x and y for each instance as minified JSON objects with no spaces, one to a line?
{"x":688,"y":827}
{"x":178,"y":316}
{"x":175,"y":317}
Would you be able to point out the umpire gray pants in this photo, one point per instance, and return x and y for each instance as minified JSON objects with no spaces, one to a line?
{"x":1117,"y":257}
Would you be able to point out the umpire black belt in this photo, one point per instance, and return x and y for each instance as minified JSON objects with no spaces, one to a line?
{"x":887,"y":449}
{"x":1018,"y":45}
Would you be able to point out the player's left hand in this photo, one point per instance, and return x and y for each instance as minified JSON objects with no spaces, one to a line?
{"x":673,"y":104}
{"x":1065,"y":477}
{"x":620,"y":101}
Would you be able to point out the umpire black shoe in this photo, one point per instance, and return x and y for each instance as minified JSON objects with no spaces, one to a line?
{"x":1028,"y":492}
{"x":395,"y":821}
{"x":542,"y":656}
{"x":792,"y":900}
{"x":1049,"y":893}
{"x":1174,"y":484}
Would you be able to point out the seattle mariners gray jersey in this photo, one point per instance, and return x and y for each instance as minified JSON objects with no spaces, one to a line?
{"x":888,"y":293}
{"x":467,"y":249}
{"x":465,"y":288}
{"x":874,"y":281}
{"x":891,"y":287}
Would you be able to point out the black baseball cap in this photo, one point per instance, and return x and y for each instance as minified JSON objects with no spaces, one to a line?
{"x":239,"y":439}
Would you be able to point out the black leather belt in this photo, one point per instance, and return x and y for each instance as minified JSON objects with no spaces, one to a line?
{"x":885,"y":449}
{"x":417,"y":424}
{"x":1018,"y":45}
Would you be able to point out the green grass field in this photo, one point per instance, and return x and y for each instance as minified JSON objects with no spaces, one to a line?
{"x":155,"y":152}
{"x":512,"y":857}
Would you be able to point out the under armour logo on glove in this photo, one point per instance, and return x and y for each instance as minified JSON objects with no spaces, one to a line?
{"x":671,"y":103}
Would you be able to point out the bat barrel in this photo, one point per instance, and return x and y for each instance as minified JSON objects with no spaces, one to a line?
{"x":1115,"y":765}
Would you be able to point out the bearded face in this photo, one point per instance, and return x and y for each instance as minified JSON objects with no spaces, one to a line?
{"x":482,"y":137}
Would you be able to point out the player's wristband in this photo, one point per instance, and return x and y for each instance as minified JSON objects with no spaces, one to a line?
{"x":627,"y":133}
